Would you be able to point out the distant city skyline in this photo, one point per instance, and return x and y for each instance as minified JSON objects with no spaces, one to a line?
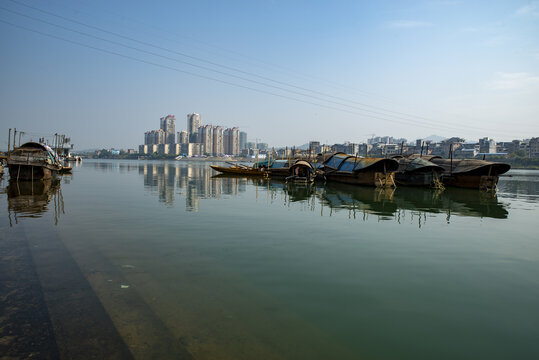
{"x":284,"y":72}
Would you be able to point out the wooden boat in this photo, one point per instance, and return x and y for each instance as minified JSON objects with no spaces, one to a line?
{"x":238,"y":169}
{"x":418,"y":172}
{"x":71,"y":158}
{"x":469,"y":173}
{"x":350,"y":169}
{"x":65,"y":170}
{"x":269,"y":168}
{"x":33,"y":161}
{"x":302,"y":172}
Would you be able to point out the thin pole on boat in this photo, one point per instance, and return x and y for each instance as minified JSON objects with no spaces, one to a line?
{"x":14,"y":137}
{"x":20,"y":134}
{"x":402,"y":146}
{"x":288,"y":156}
{"x":427,"y":149}
{"x":421,"y":154}
{"x":451,"y":157}
{"x":9,"y":141}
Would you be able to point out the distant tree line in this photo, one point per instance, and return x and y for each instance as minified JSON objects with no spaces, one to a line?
{"x":517,"y":159}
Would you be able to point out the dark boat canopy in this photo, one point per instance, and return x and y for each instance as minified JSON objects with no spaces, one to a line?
{"x":474,"y":166}
{"x":461,"y":166}
{"x":302,"y":164}
{"x":350,"y":163}
{"x":416,"y":165}
{"x":34,"y":145}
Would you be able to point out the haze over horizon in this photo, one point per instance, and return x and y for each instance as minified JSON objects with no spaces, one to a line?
{"x":285,"y":72}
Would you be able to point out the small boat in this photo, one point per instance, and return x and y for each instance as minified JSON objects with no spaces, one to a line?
{"x":302,"y":172}
{"x":239,"y":169}
{"x":350,"y":169}
{"x":65,"y":170}
{"x":469,"y":173}
{"x":418,"y":172}
{"x":71,"y":158}
{"x":269,"y":168}
{"x":33,"y":161}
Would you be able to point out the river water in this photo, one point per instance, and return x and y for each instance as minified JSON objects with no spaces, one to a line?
{"x":136,"y":259}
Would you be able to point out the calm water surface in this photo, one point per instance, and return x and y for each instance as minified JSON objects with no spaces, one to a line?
{"x":183,"y":264}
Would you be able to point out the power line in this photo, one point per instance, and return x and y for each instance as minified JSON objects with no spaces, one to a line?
{"x":197,"y":75}
{"x":204,"y":76}
{"x":123,"y":17}
{"x":385,"y":112}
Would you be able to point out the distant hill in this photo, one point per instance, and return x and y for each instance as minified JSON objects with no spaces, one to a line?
{"x":435,"y":138}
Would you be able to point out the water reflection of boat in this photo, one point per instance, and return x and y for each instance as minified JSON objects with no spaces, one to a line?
{"x":31,"y":198}
{"x":462,"y":202}
{"x":388,"y":202}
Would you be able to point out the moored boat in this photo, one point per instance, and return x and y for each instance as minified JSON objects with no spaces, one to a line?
{"x":238,"y":169}
{"x":469,"y":173}
{"x":301,"y":172}
{"x":417,"y":172}
{"x":350,"y":169}
{"x":33,"y":161}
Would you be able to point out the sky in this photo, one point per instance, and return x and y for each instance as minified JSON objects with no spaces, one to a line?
{"x":285,"y":72}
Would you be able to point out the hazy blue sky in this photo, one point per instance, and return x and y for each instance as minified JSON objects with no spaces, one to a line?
{"x":286,"y":72}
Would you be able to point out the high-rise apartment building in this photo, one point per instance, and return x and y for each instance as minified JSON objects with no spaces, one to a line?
{"x":183,"y":137}
{"x":232,"y":141}
{"x":218,"y":141}
{"x":205,"y":134}
{"x":194,"y":121}
{"x":168,"y":125}
{"x":154,"y":137}
{"x":243,"y":140}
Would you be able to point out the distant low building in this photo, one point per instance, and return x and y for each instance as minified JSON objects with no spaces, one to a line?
{"x":533,"y":147}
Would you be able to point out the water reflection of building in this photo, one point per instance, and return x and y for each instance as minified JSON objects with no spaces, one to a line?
{"x":192,"y":181}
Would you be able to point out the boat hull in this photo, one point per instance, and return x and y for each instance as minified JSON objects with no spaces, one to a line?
{"x":31,"y":172}
{"x":473,"y":181}
{"x":238,"y":170}
{"x":423,"y":179}
{"x":365,"y":178}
